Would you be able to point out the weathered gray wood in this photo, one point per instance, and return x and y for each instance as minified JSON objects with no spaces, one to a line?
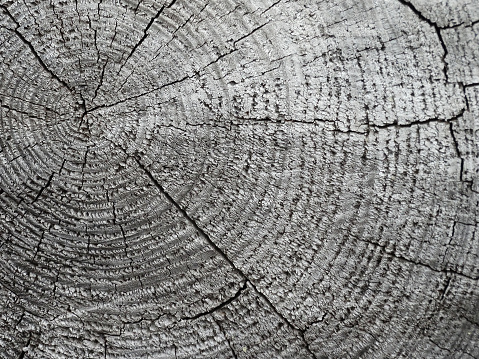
{"x":239,"y":179}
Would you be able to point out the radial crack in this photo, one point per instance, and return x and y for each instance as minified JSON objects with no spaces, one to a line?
{"x":145,"y":31}
{"x":19,"y":111}
{"x":458,"y":152}
{"x":32,"y":49}
{"x":100,"y":83}
{"x":43,"y":188}
{"x":203,"y":234}
{"x":22,"y":353}
{"x":250,"y":33}
{"x":139,"y":95}
{"x":185,"y":215}
{"x":291,"y":325}
{"x":416,"y":123}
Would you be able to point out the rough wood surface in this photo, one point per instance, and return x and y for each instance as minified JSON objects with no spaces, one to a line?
{"x":239,"y":179}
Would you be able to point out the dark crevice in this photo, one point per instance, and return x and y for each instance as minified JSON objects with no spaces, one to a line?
{"x":173,"y":35}
{"x":104,"y":349}
{"x":234,"y":49}
{"x":453,"y":350}
{"x":43,"y":188}
{"x":85,"y":156}
{"x":145,"y":35}
{"x":32,"y":103}
{"x":32,"y":49}
{"x":22,"y":353}
{"x":125,"y":248}
{"x":219,"y":306}
{"x":145,"y":31}
{"x":439,"y":346}
{"x":458,"y":25}
{"x":187,"y":77}
{"x":445,"y":290}
{"x":96,"y":43}
{"x":415,"y":123}
{"x":299,"y":331}
{"x":219,"y":58}
{"x":84,"y":113}
{"x":268,"y":120}
{"x":114,"y":33}
{"x":319,"y":320}
{"x":233,"y":352}
{"x":100,"y":83}
{"x":76,"y":9}
{"x":125,"y":80}
{"x":458,"y":152}
{"x":466,"y":99}
{"x":250,"y":33}
{"x":185,"y":215}
{"x":270,"y":7}
{"x":37,"y":249}
{"x":98,"y":8}
{"x":171,"y":4}
{"x":436,"y":27}
{"x":137,"y":6}
{"x":60,"y":20}
{"x":470,"y":321}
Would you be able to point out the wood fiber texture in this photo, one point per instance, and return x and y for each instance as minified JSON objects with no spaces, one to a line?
{"x":239,"y":179}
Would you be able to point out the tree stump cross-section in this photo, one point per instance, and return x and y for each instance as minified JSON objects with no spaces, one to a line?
{"x":239,"y":179}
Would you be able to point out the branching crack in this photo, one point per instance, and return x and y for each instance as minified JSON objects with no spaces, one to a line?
{"x":184,"y":78}
{"x":369,"y":127}
{"x":436,"y":27}
{"x":32,"y":49}
{"x":415,"y":123}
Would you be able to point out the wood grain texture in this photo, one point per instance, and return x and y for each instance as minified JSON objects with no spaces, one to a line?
{"x":239,"y":179}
